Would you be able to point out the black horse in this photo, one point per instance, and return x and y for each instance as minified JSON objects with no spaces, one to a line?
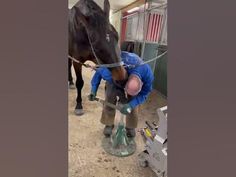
{"x":92,"y":37}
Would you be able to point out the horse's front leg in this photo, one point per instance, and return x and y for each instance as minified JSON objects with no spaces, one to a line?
{"x":70,"y":78}
{"x":79,"y":85}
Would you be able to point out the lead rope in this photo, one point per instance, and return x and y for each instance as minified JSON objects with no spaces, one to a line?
{"x":125,"y":65}
{"x":85,"y":65}
{"x":153,"y":59}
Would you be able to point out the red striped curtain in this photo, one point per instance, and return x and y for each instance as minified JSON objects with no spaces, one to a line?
{"x":154,"y":27}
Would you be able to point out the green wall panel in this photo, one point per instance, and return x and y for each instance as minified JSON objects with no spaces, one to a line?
{"x":159,"y":67}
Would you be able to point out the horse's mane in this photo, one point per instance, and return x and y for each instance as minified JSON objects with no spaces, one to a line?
{"x":97,"y":19}
{"x":73,"y":23}
{"x":96,"y":15}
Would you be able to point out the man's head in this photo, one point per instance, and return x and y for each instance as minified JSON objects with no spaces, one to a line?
{"x":133,"y":85}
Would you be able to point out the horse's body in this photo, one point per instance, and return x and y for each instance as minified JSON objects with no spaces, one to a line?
{"x":88,"y":21}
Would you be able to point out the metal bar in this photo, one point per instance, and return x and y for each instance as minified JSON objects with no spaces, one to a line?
{"x":145,"y":10}
{"x":131,"y":5}
{"x":149,"y":42}
{"x":156,"y":7}
{"x":127,"y":16}
{"x":121,"y":28}
{"x":163,"y":23}
{"x":118,"y":107}
{"x":149,"y":125}
{"x":145,"y":23}
{"x":107,"y":103}
{"x":160,"y":38}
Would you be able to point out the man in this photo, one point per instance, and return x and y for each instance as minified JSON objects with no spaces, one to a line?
{"x":131,"y":95}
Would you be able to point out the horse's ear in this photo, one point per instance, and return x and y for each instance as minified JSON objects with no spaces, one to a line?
{"x":81,"y":17}
{"x":83,"y":6}
{"x":107,"y":8}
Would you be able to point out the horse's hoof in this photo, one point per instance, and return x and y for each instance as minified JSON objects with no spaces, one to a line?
{"x":71,"y":86}
{"x":79,"y":112}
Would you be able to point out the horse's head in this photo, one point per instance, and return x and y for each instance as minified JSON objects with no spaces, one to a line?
{"x":102,"y":35}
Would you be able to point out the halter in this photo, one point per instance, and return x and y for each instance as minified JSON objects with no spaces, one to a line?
{"x":114,"y":65}
{"x":111,"y":65}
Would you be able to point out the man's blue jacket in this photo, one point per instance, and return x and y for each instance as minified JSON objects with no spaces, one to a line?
{"x":143,"y":71}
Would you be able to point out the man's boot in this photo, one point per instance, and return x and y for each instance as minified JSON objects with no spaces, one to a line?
{"x":108,"y":130}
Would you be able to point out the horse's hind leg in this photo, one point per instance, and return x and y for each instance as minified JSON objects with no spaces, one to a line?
{"x":79,"y":85}
{"x":70,"y":78}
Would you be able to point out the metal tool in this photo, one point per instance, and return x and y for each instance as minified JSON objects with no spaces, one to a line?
{"x":155,"y":153}
{"x":118,"y":107}
{"x":118,"y":144}
{"x":149,"y":125}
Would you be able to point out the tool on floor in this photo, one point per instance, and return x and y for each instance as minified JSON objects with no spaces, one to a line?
{"x":155,"y":139}
{"x":118,"y":144}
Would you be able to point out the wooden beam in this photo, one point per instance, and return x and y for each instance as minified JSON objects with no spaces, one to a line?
{"x":131,"y":6}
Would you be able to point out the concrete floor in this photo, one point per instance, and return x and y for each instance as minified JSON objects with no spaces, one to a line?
{"x":86,"y":156}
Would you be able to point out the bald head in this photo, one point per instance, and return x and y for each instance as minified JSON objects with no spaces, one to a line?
{"x":133,"y":85}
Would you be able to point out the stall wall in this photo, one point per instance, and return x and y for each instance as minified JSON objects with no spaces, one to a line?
{"x":131,"y":32}
{"x":159,"y":67}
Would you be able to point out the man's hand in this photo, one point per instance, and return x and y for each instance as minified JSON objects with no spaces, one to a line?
{"x":92,"y":96}
{"x":126,"y":109}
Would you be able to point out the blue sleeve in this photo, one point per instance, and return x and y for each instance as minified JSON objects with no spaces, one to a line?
{"x":95,"y":82}
{"x":143,"y":94}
